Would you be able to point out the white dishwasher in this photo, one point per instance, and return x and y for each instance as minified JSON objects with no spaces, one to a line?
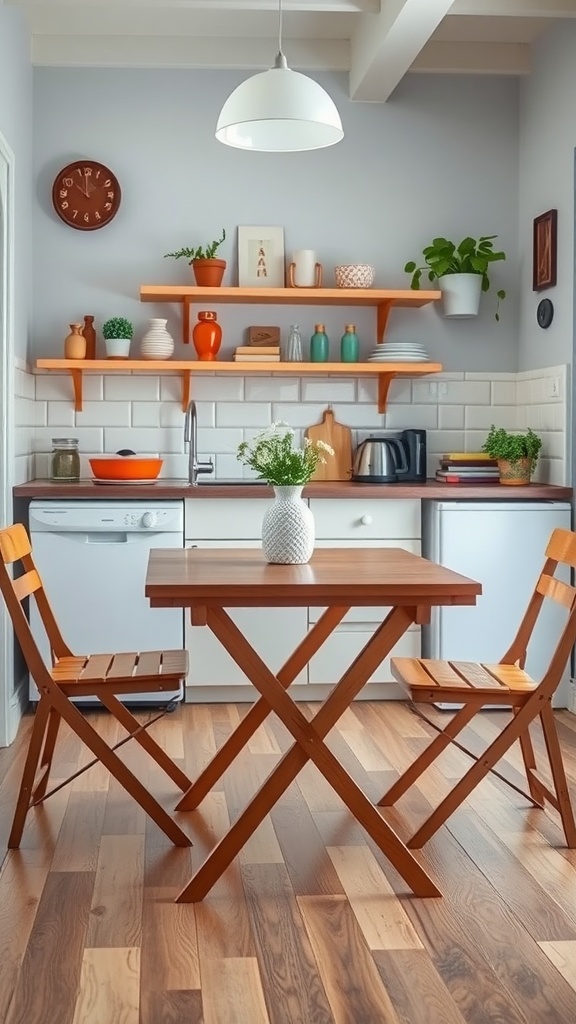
{"x":92,"y":556}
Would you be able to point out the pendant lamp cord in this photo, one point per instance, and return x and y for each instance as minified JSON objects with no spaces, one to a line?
{"x":280,"y":61}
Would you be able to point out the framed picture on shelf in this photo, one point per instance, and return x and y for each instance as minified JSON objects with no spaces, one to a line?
{"x":260,"y":257}
{"x":544,"y":251}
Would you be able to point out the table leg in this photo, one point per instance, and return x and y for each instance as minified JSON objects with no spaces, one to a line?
{"x":259,"y":711}
{"x":309,"y":745}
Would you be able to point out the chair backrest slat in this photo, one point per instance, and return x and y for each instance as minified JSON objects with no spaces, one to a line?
{"x":562,"y":547}
{"x":27,"y":584}
{"x":557,"y":590}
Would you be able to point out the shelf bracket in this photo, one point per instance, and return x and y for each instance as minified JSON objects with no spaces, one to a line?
{"x":186,"y":374}
{"x":383,"y":312}
{"x":77,"y":384}
{"x":186,"y":335}
{"x":384,"y":382}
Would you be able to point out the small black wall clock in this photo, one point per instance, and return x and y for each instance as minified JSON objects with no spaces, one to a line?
{"x":545,"y":313}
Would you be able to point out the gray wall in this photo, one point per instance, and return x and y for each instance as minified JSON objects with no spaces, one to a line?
{"x":546,"y":180}
{"x":16,"y":127}
{"x":440,"y":158}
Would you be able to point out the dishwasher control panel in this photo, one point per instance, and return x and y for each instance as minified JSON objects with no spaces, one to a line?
{"x":99,"y":516}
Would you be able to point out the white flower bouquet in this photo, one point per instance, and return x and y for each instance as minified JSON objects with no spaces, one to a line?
{"x":273,"y":455}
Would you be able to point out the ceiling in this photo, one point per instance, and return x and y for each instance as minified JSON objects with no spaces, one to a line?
{"x":376,"y":41}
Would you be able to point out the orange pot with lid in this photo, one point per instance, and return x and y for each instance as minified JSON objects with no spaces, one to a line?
{"x":125,"y":465}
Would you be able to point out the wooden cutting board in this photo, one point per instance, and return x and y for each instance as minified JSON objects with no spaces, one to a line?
{"x":339,"y":437}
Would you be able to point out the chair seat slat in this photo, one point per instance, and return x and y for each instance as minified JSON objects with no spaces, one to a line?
{"x":475,"y":676}
{"x":122,"y":666}
{"x":512,"y":677}
{"x":149,"y":664}
{"x":96,"y":667}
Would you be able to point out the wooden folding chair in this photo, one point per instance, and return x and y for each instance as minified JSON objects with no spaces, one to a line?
{"x":102,"y":676}
{"x":474,"y":685}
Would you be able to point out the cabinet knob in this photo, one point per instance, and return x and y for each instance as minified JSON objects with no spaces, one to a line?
{"x":366,"y":520}
{"x":148,"y":520}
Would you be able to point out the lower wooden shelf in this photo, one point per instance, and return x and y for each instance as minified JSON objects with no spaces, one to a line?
{"x":384,"y":372}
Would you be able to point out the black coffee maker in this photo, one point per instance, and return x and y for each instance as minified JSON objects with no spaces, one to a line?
{"x":391,"y":457}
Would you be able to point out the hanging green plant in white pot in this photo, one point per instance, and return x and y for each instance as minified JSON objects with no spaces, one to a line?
{"x":461,"y":271}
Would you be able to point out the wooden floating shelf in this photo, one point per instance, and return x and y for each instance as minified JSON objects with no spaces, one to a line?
{"x":384,"y":372}
{"x":383,"y":299}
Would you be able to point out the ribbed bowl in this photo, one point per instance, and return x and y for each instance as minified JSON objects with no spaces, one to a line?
{"x":354,"y":275}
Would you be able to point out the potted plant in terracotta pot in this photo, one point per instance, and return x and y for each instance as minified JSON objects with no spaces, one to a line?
{"x":208,"y":270}
{"x":117,"y":334}
{"x":461,"y":271}
{"x":516,"y":454}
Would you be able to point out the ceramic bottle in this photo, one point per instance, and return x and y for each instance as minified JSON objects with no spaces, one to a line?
{"x":90,"y":335}
{"x":75,"y":343}
{"x":349,"y":345}
{"x":319,"y":345}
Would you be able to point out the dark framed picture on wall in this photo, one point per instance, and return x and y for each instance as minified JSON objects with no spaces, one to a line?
{"x":544,"y":251}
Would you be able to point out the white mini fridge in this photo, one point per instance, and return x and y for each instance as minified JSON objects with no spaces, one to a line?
{"x":501,"y":544}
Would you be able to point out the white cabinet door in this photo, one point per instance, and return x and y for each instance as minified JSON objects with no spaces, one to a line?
{"x":273,"y":632}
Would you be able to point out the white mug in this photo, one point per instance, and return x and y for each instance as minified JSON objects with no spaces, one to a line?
{"x":304,"y":268}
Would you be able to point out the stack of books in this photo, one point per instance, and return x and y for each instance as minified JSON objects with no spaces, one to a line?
{"x":257,"y":354}
{"x":467,"y":468}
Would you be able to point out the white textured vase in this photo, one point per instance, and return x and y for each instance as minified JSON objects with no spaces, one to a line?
{"x":157,"y":343}
{"x":288,"y":528}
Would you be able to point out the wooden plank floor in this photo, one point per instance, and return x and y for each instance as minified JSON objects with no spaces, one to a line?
{"x":310,"y":925}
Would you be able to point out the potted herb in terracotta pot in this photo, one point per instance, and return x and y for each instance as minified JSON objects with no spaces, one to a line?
{"x":117,"y":334}
{"x":461,"y":271}
{"x":208,"y":270}
{"x":516,"y":454}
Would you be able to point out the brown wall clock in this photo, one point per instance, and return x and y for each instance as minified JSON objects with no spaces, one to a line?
{"x":86,"y":195}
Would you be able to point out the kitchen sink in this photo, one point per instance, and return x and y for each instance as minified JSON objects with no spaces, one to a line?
{"x":230,"y":483}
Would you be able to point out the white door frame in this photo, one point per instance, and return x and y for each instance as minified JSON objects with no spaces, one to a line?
{"x":8,"y":712}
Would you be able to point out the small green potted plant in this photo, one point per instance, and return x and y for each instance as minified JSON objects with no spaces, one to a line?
{"x":208,"y":270}
{"x":117,"y":333}
{"x":461,"y":271}
{"x":516,"y":454}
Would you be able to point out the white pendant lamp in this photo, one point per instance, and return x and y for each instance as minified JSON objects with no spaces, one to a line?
{"x":279,"y":111}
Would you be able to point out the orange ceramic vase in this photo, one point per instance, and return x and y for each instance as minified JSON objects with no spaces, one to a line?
{"x":207,"y":335}
{"x":75,"y":343}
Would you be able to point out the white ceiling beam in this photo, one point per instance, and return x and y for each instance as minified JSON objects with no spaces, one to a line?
{"x":385,"y":45}
{"x":186,"y":52}
{"x":474,"y":59}
{"x":516,"y":8}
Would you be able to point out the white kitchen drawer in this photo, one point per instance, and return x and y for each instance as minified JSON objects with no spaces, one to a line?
{"x":375,"y":614}
{"x":342,"y":647}
{"x":369,"y":519}
{"x":224,"y":518}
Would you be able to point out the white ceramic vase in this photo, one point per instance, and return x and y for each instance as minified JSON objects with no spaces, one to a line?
{"x":157,"y":343}
{"x":288,"y":528}
{"x":460,"y":294}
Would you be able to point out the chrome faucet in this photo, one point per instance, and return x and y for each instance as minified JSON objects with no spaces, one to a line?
{"x":191,"y":438}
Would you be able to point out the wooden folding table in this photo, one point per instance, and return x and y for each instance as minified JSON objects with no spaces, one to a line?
{"x":208,"y":581}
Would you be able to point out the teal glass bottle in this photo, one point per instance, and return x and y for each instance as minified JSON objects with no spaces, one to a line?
{"x":319,"y":345}
{"x":349,"y":345}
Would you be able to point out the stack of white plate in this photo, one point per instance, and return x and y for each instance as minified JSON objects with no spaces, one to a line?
{"x":399,"y":352}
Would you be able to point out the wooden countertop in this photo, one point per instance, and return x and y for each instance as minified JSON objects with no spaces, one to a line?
{"x":175,"y":489}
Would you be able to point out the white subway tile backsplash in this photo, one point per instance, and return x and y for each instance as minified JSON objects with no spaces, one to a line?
{"x":424,"y":416}
{"x":104,"y":414}
{"x":451,"y":417}
{"x":243,"y":414}
{"x":503,"y":392}
{"x":24,"y":384}
{"x":144,"y":440}
{"x":144,"y":412}
{"x":272,"y":389}
{"x":328,"y":391}
{"x":480,"y":417}
{"x":61,"y":414}
{"x":467,"y":392}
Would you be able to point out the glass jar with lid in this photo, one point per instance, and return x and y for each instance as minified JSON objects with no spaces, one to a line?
{"x":65,"y":462}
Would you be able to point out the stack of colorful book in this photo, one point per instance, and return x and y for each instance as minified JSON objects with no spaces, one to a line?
{"x":257,"y":354}
{"x":467,"y":468}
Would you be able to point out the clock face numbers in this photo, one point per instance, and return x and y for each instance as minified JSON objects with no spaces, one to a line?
{"x":545,"y":313}
{"x":86,"y":195}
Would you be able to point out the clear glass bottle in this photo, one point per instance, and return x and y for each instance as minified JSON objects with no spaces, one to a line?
{"x":319,"y":345}
{"x":294,"y":345}
{"x":349,"y":345}
{"x":65,"y":462}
